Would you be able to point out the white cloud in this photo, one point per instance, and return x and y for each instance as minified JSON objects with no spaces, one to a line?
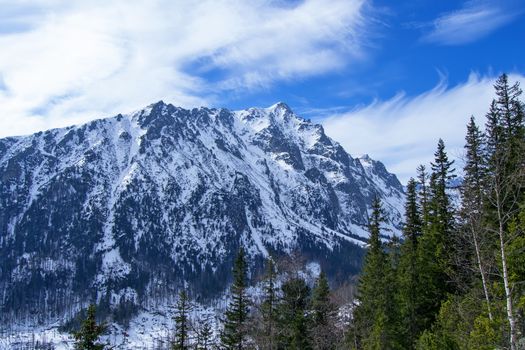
{"x":68,"y":62}
{"x":475,"y":20}
{"x":403,"y":131}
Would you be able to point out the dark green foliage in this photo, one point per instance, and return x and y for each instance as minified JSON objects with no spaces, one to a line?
{"x":376,"y":325}
{"x":459,"y":273}
{"x":323,"y":325}
{"x":293,"y":318}
{"x":87,"y":338}
{"x":475,"y":169}
{"x":408,"y":272}
{"x":269,"y":308}
{"x":182,"y":322}
{"x":321,"y":304}
{"x":435,"y":246}
{"x":423,"y":195}
{"x":234,"y":334}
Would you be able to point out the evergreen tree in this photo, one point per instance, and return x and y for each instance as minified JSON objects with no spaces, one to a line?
{"x":87,"y":338}
{"x":442,"y":214}
{"x":493,"y":131}
{"x":269,"y":308}
{"x":409,"y":284}
{"x":506,"y":184}
{"x":235,"y":325}
{"x":435,"y":245}
{"x":322,"y":315}
{"x":375,"y":316}
{"x":475,"y":169}
{"x":293,"y":320}
{"x":182,"y":322}
{"x":509,"y":107}
{"x":204,"y":337}
{"x":422,"y":180}
{"x":472,"y":204}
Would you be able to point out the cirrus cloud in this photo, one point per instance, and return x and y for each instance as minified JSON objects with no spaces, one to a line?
{"x":403,"y":131}
{"x":476,"y":19}
{"x":69,"y":62}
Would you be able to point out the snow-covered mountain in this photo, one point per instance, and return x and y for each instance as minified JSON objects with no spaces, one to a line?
{"x":126,"y":209}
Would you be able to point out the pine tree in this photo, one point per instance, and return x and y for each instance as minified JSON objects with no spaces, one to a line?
{"x":508,"y":106}
{"x":422,"y":180}
{"x":182,"y":322}
{"x":435,"y":246}
{"x":472,"y":201}
{"x":269,"y":307}
{"x":235,"y":325}
{"x":493,"y":132}
{"x":442,"y":215}
{"x":322,"y":307}
{"x":409,"y":284}
{"x":375,"y":319}
{"x":87,"y":338}
{"x":506,"y":182}
{"x":293,"y":320}
{"x":204,"y":336}
{"x":322,"y":315}
{"x":475,"y":169}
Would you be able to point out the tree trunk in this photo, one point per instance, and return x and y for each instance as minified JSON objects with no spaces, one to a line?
{"x":480,"y":266}
{"x":508,"y":295}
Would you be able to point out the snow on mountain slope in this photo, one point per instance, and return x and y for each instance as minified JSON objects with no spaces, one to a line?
{"x":125,"y":210}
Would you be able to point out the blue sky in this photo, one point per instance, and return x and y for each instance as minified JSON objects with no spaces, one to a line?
{"x":386,"y":78}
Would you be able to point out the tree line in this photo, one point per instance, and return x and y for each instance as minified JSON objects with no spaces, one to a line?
{"x":456,"y":279}
{"x":289,"y":315}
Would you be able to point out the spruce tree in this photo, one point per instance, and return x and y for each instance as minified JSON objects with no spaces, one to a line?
{"x":293,"y":318}
{"x":473,"y":192}
{"x":322,"y":315}
{"x":435,"y":245}
{"x":204,"y":336}
{"x":409,"y":284}
{"x":509,"y":106}
{"x":87,"y":338}
{"x":442,"y":214}
{"x":269,"y":307}
{"x":375,"y":316}
{"x":235,"y":325}
{"x":423,"y":195}
{"x":475,"y":169}
{"x":506,"y":183}
{"x":182,"y":322}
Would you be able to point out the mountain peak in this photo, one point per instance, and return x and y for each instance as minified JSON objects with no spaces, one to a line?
{"x":280,"y":106}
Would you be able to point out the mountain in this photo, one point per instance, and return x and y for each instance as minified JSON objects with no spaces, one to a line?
{"x":127,"y":209}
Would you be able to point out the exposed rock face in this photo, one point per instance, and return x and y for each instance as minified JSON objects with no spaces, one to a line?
{"x":128,"y":208}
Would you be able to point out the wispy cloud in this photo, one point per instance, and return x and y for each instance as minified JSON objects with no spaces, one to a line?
{"x":68,"y":62}
{"x":404,"y":131}
{"x":475,"y":20}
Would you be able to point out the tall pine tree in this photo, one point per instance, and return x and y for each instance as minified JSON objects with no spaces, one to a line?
{"x":323,"y":309}
{"x":182,"y":322}
{"x":423,"y":195}
{"x":472,"y":204}
{"x":269,"y":308}
{"x":234,"y":334}
{"x":375,"y":316}
{"x":436,"y":243}
{"x":408,"y":275}
{"x":506,"y":183}
{"x":293,"y":315}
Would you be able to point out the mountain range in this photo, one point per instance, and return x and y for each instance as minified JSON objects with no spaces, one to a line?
{"x":126,"y":210}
